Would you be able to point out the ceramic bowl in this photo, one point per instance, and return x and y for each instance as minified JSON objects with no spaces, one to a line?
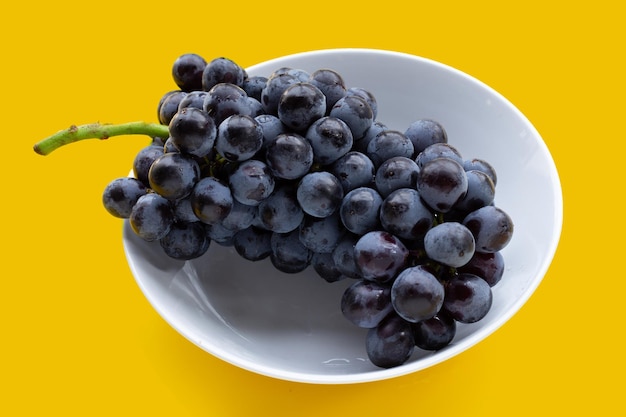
{"x":289,"y":326}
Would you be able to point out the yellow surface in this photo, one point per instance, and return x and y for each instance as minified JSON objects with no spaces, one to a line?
{"x":78,"y":338}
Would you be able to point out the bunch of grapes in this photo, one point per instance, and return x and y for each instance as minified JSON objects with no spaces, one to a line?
{"x":295,"y":167}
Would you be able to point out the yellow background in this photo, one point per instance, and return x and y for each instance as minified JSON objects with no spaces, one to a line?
{"x":78,"y":337}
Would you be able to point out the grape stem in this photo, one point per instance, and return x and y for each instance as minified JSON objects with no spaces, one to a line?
{"x":98,"y":131}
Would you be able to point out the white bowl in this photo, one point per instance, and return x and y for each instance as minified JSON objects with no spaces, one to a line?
{"x":290,"y":326}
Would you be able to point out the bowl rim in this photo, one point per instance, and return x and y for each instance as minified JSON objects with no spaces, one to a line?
{"x":411,"y":367}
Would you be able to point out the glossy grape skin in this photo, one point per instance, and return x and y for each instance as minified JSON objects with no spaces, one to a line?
{"x":330,"y":83}
{"x":488,"y":266}
{"x":239,"y":137}
{"x":193,"y":131}
{"x":439,"y":150}
{"x":442,"y":182}
{"x":224,"y":100}
{"x":321,"y":235}
{"x":193,"y":99}
{"x":434,"y":333}
{"x":185,"y":241}
{"x":325,"y":267}
{"x":425,"y":132}
{"x":416,"y":294}
{"x":367,"y":95}
{"x":379,"y":256}
{"x":355,"y":112}
{"x":211,"y":200}
{"x":168,"y":106}
{"x":395,"y":173}
{"x":362,"y":143}
{"x":222,"y":70}
{"x":366,"y":303}
{"x":143,"y":161}
{"x":300,"y":105}
{"x":151,"y":217}
{"x":389,"y":144}
{"x":280,"y":212}
{"x":253,"y":243}
{"x":289,"y":156}
{"x":271,"y":127}
{"x":187,"y":71}
{"x":299,"y":74}
{"x":121,"y":194}
{"x":468,"y":298}
{"x":480,"y":192}
{"x":275,"y":86}
{"x":403,"y":214}
{"x":319,"y":193}
{"x":492,"y":228}
{"x":360,"y":210}
{"x":450,"y":243}
{"x":483,"y":166}
{"x":288,"y":254}
{"x":251,"y":182}
{"x":173,"y":175}
{"x":391,"y":343}
{"x":353,"y":170}
{"x":330,"y":138}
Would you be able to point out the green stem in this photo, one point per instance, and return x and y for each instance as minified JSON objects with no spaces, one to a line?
{"x":98,"y":131}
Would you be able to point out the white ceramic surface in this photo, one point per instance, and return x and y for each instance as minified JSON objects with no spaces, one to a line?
{"x":290,"y":326}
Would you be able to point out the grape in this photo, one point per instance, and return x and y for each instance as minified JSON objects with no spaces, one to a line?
{"x":143,"y":160}
{"x":173,"y":175}
{"x":330,"y":138}
{"x":442,"y":182}
{"x":289,"y":156}
{"x":183,"y":212}
{"x":434,"y":333}
{"x":222,"y":70}
{"x":276,"y":84}
{"x":481,"y":165}
{"x":366,"y":303}
{"x":321,"y":235}
{"x":366,"y":95}
{"x":416,"y":294}
{"x":253,"y":86}
{"x":151,"y":217}
{"x":394,"y":173}
{"x":220,"y":234}
{"x":380,"y":256}
{"x":193,"y":131}
{"x":185,"y":241}
{"x":241,"y":216}
{"x":425,"y":132}
{"x":492,"y":228}
{"x":360,"y":210}
{"x":299,"y":74}
{"x":251,"y":182}
{"x":187,"y":71}
{"x":168,"y":106}
{"x":388,"y":144}
{"x":450,"y":243}
{"x":211,"y":200}
{"x":193,"y":99}
{"x":468,"y":298}
{"x":438,"y":150}
{"x":253,"y":243}
{"x":121,"y":194}
{"x":280,"y":212}
{"x":355,"y":111}
{"x":288,"y":254}
{"x":224,"y":100}
{"x":360,"y":144}
{"x":353,"y":170}
{"x":271,"y":127}
{"x":330,"y":83}
{"x":300,"y":105}
{"x":324,"y":266}
{"x":391,"y":343}
{"x":480,"y":192}
{"x":489,"y":266}
{"x":343,"y":256}
{"x":319,"y":194}
{"x":239,"y":137}
{"x":403,"y":214}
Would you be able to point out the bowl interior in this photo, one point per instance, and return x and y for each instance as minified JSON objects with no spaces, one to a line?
{"x":290,"y":326}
